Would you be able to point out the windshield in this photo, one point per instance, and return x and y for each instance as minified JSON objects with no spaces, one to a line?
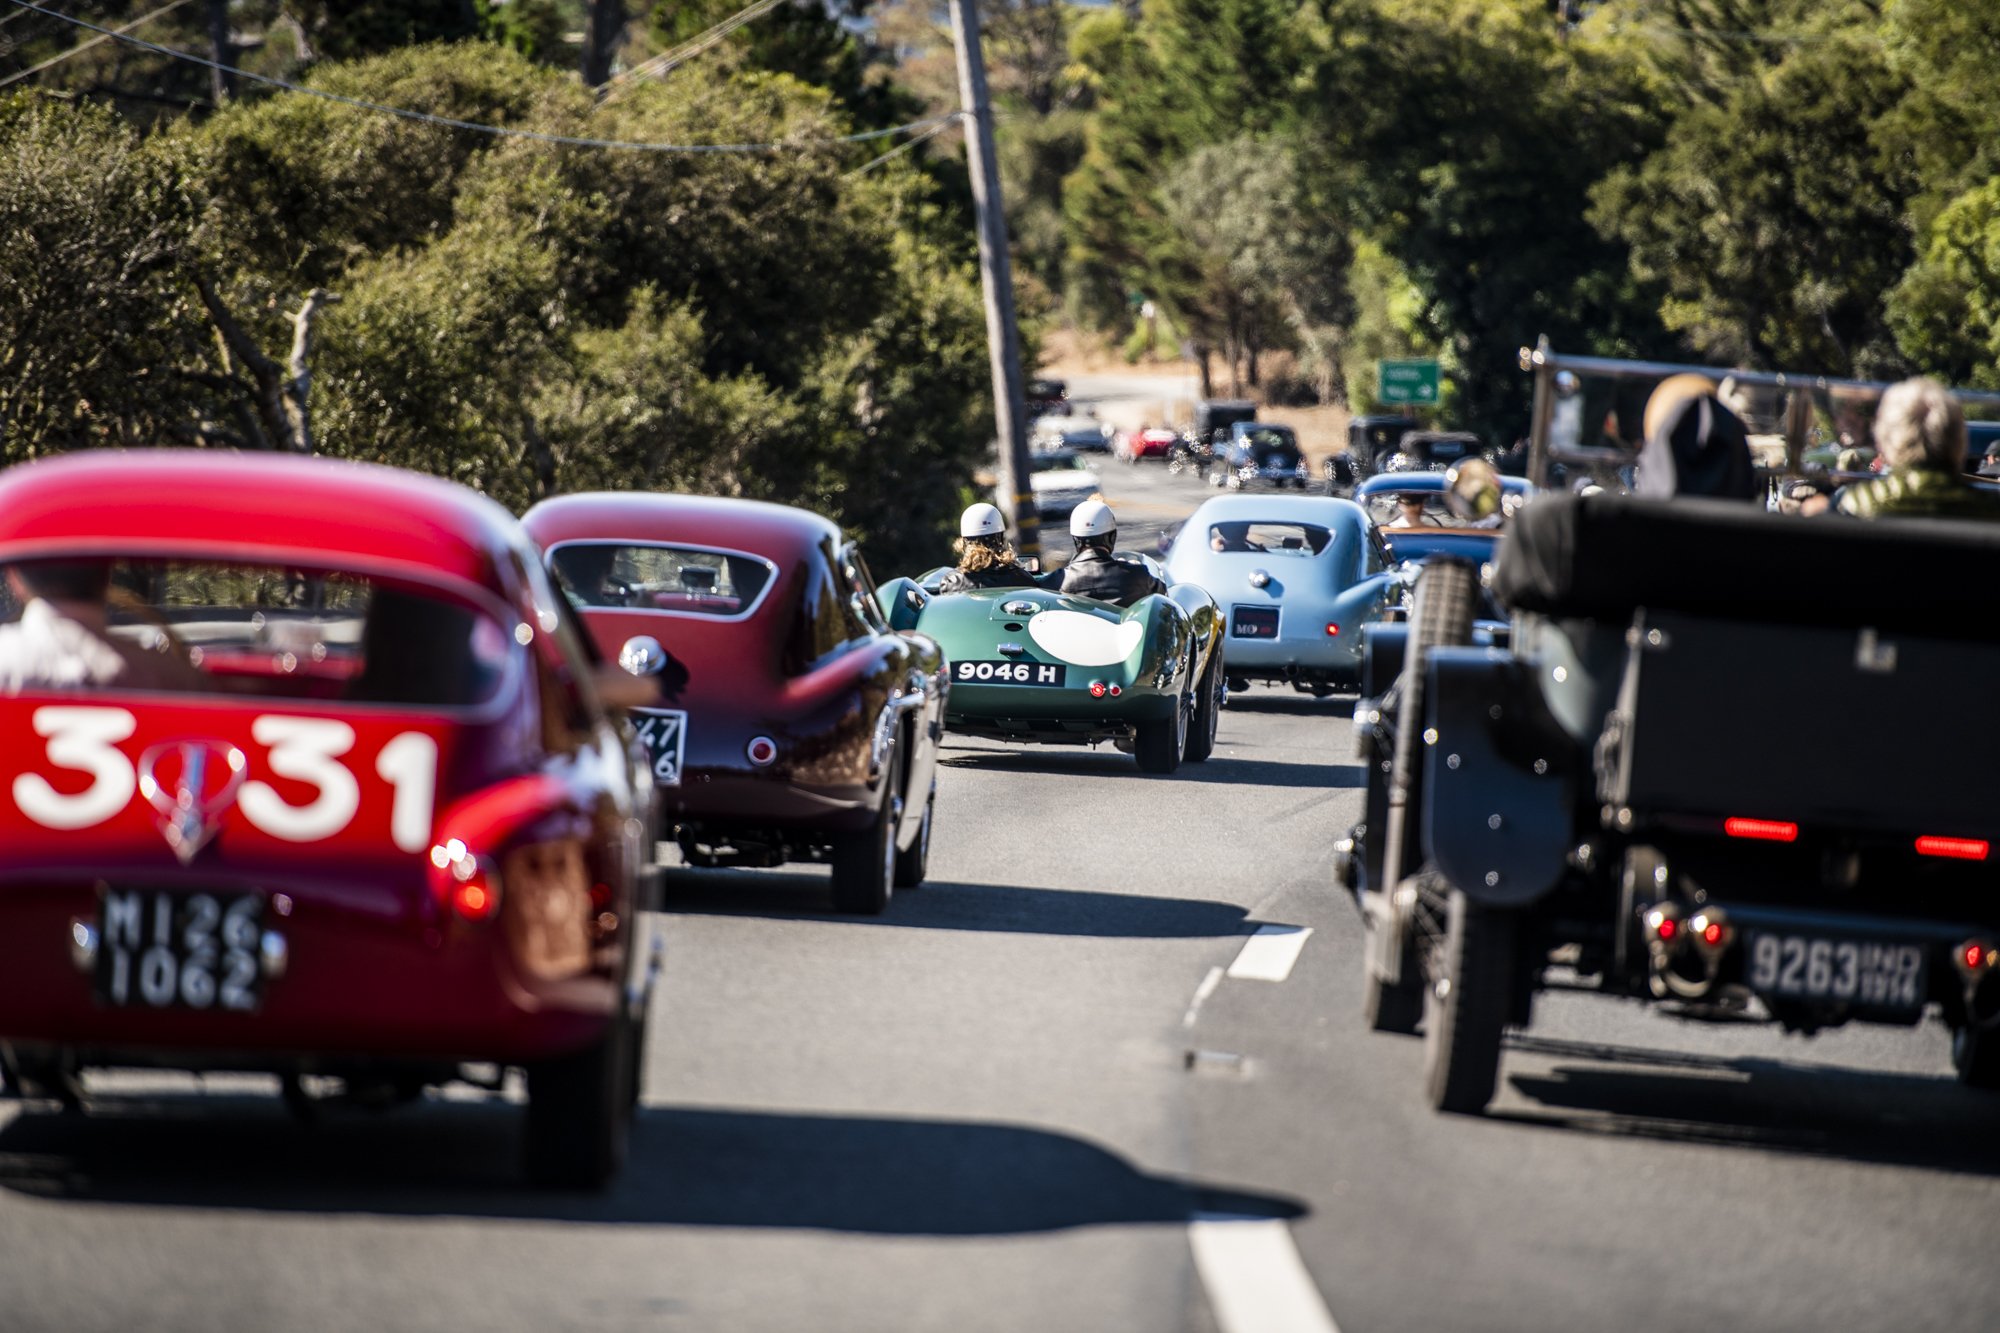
{"x":215,"y":628}
{"x":1057,"y":462}
{"x":1301,"y":539}
{"x":690,"y":580}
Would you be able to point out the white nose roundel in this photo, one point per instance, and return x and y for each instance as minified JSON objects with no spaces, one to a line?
{"x":1085,"y":640}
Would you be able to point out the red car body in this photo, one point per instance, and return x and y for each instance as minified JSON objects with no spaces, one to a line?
{"x":1152,"y":442}
{"x":796,"y":725}
{"x":420,"y":885}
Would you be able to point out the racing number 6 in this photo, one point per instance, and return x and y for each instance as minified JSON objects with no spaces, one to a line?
{"x":305,"y":749}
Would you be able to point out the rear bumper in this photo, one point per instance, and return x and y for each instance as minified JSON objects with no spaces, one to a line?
{"x":1283,"y":657}
{"x":363,"y":982}
{"x":730,"y":799}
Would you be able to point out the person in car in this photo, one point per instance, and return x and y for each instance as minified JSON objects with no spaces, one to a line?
{"x":1920,"y":433}
{"x":63,"y":640}
{"x":1094,"y":571}
{"x":1989,"y":462}
{"x":1410,"y":513}
{"x":985,"y":556}
{"x":1697,"y":447}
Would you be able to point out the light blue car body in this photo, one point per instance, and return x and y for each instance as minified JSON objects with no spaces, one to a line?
{"x":1347,"y":583}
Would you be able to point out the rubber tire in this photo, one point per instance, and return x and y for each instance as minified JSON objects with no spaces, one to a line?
{"x":1161,"y":743}
{"x":580,"y":1112}
{"x":864,"y":863}
{"x":1468,"y":1003}
{"x":1393,"y":1006}
{"x":914,"y":862}
{"x":1207,"y":711}
{"x":1976,"y":1057}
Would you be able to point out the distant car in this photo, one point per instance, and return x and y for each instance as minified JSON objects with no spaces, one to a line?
{"x":1152,"y":442}
{"x":1372,"y":440}
{"x":1047,"y":397}
{"x":1061,"y":479}
{"x":1034,"y":665}
{"x":1260,"y":454}
{"x":1086,"y":434}
{"x":1296,"y":577}
{"x":796,"y":726}
{"x":1434,"y":450}
{"x":368,"y":819}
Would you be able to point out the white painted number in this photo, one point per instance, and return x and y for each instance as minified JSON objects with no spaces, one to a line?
{"x":81,"y":739}
{"x":85,"y":740}
{"x":409,"y":765}
{"x":306,"y":749}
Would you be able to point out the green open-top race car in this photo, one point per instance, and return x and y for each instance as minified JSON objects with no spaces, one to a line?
{"x":1030,"y":664}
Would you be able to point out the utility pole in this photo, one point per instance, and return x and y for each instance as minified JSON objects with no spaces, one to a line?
{"x":996,"y":278}
{"x":221,"y":83}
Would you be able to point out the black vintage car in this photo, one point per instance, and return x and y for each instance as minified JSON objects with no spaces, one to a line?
{"x":1606,"y":799}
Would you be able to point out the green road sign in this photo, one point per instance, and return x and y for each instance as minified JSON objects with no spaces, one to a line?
{"x":1407,"y":383}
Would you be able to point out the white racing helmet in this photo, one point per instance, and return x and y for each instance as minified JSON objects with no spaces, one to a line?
{"x":981,"y":520}
{"x":1092,"y":518}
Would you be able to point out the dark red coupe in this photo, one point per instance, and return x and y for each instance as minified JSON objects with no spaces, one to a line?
{"x":306,"y":772}
{"x":796,"y":724}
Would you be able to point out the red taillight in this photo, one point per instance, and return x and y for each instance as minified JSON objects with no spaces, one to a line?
{"x":1116,"y":690}
{"x":1712,"y":933}
{"x":474,"y":899}
{"x":1973,"y":955}
{"x":1960,"y":849}
{"x":1332,"y":631}
{"x":1097,"y":689}
{"x":1768,"y":830}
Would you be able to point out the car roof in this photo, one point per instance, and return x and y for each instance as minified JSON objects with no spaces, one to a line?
{"x":222,"y":504}
{"x":1323,"y":510}
{"x":760,"y":528}
{"x":1389,"y":483}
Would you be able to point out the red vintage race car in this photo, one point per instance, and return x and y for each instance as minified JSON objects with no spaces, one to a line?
{"x":797,"y":725}
{"x":306,"y":772}
{"x":1151,"y":442}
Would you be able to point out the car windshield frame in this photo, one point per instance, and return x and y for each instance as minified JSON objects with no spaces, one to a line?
{"x":695,"y":548}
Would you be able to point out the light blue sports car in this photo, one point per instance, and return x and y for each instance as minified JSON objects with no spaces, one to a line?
{"x":1296,"y":578}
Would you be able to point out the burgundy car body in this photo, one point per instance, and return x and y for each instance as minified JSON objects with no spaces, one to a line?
{"x":805,"y":713}
{"x":477,"y":904}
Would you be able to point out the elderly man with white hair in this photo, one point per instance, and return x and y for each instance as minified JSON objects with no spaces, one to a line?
{"x":1920,"y":433}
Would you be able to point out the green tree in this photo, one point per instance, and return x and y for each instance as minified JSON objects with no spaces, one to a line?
{"x":1946,"y":309}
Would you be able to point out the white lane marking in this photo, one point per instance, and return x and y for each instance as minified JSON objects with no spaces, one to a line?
{"x":1269,"y":954}
{"x":1201,"y":993}
{"x":1255,"y":1280}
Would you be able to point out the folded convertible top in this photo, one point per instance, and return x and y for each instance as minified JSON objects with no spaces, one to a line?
{"x":1604,"y":556}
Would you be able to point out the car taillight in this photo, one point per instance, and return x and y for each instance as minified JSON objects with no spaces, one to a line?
{"x":1766,"y":830}
{"x":1097,"y":689}
{"x":475,"y":899}
{"x":1958,"y":849}
{"x":1332,"y":630}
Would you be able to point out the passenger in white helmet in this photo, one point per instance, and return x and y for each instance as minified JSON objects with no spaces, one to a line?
{"x":985,"y":557}
{"x":1094,"y":571}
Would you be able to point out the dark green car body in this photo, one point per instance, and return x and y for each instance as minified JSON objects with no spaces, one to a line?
{"x":1033,"y":665}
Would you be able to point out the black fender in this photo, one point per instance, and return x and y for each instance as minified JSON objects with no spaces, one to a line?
{"x":1500,"y":778}
{"x":1383,"y":644}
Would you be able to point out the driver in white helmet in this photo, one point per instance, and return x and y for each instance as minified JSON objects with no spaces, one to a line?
{"x":1094,"y":571}
{"x":985,"y":557}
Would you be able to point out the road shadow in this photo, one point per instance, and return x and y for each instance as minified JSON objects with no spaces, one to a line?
{"x":943,"y":905}
{"x":1755,"y":1102}
{"x":1109,"y":763}
{"x":1269,"y":700}
{"x":689,"y":1168}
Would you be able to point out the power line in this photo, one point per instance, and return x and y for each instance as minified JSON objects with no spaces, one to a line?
{"x":497,"y":131}
{"x":902,"y":148}
{"x":81,"y":47}
{"x":670,"y":59}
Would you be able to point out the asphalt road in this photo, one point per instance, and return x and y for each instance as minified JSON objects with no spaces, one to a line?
{"x":1096,"y":1075}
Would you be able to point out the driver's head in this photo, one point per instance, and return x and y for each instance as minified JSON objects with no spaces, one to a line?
{"x":982,"y":539}
{"x":65,"y":580}
{"x":1920,"y":424}
{"x":587,"y":568}
{"x":1094,"y":525}
{"x":1412,"y":505}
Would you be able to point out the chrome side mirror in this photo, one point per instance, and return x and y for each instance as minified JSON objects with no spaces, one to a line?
{"x":642,"y":655}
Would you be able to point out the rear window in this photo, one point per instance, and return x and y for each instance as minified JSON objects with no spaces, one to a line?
{"x":690,"y":580}
{"x":1302,"y":539}
{"x":213,"y":628}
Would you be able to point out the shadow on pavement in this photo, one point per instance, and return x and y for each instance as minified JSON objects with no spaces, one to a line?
{"x":940,"y":905}
{"x":1288,"y":704}
{"x":1753,"y":1102}
{"x":693,"y":1168}
{"x":1218,"y":769}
